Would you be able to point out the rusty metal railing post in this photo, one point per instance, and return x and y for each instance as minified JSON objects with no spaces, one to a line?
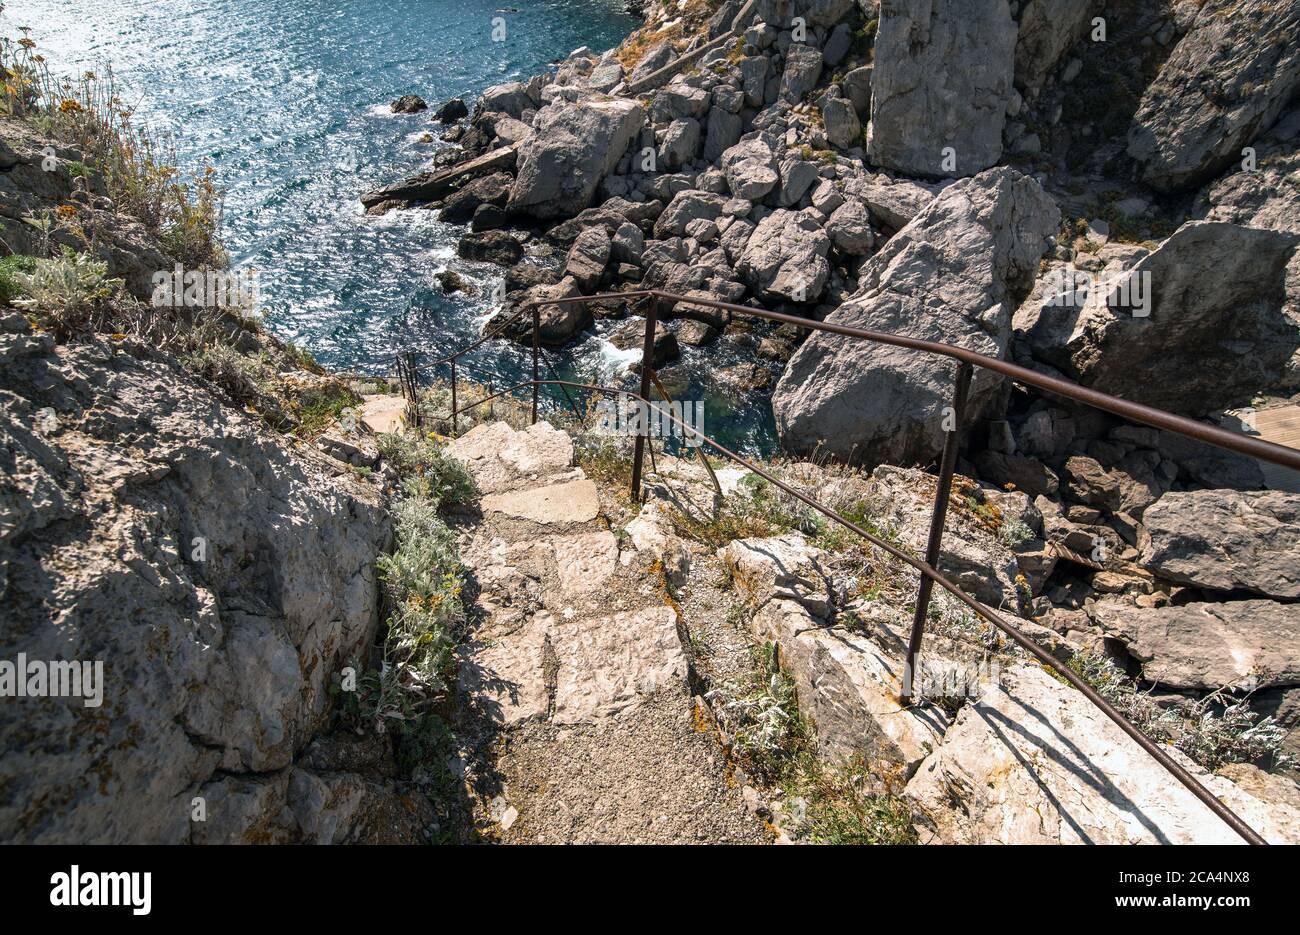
{"x":647,"y":366}
{"x":455,"y":430}
{"x":537,"y":347}
{"x":942,"y":493}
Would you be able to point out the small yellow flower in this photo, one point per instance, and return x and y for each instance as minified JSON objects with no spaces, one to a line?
{"x":66,"y":211}
{"x":26,"y":43}
{"x":69,"y":106}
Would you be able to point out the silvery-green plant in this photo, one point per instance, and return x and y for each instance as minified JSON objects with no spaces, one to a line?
{"x":64,"y":289}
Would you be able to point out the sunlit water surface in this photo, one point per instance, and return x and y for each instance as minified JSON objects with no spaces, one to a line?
{"x":288,"y":100}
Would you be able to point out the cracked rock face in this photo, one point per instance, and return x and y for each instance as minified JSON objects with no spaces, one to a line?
{"x":1202,"y":647}
{"x":1227,"y":539}
{"x":1226,"y":81}
{"x":1166,"y":334}
{"x":1031,"y":763}
{"x":220,"y":629}
{"x":573,"y":147}
{"x":942,"y":80}
{"x":785,"y":257}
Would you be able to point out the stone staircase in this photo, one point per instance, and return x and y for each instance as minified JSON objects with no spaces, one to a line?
{"x":573,"y":701}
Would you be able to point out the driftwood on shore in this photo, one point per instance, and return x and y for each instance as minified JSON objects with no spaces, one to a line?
{"x":431,"y":186}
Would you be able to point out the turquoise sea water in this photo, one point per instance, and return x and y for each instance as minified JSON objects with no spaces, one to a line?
{"x":288,"y":100}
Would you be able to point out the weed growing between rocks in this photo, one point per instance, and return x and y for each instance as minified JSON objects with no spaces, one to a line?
{"x":64,"y":290}
{"x":435,"y":408}
{"x":423,"y":579}
{"x":841,"y":808}
{"x":761,"y":715}
{"x":773,"y":745}
{"x":1214,"y":731}
{"x":427,"y":470}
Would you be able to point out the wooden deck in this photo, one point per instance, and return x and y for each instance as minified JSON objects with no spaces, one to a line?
{"x":1281,"y":426}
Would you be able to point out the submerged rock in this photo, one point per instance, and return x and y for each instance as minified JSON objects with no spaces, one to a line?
{"x":408,"y":104}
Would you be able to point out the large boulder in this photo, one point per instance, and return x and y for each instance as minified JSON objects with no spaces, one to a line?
{"x":1034,"y":762}
{"x":573,"y":146}
{"x":490,"y":246}
{"x":1215,"y":330}
{"x":658,"y":56}
{"x":679,"y":143}
{"x":1226,"y":81}
{"x":750,"y":169}
{"x":722,"y":132}
{"x":491,"y":189}
{"x":953,"y":275}
{"x":942,"y":81}
{"x":843,"y":128}
{"x":803,"y":67}
{"x":892,"y":203}
{"x":688,"y":206}
{"x":849,"y":227}
{"x":1227,"y":540}
{"x":1203,"y":647}
{"x":785,"y":258}
{"x":510,"y":98}
{"x":148,"y":526}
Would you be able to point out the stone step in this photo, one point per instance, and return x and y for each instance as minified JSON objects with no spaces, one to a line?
{"x":386,"y":413}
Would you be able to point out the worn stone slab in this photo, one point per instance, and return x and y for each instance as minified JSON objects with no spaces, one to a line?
{"x":502,"y":680}
{"x":380,"y":414}
{"x":1034,"y":762}
{"x":585,"y":562}
{"x":501,"y":458}
{"x":572,"y":502}
{"x":608,"y":665}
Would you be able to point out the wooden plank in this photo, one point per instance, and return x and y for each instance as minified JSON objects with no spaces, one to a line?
{"x":1282,"y":427}
{"x":430,"y":186}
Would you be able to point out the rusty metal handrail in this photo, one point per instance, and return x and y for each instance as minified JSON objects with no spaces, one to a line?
{"x":930,"y":575}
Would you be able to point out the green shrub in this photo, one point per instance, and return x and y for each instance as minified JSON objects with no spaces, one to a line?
{"x":63,"y":291}
{"x":423,"y":576}
{"x":238,"y":374}
{"x":432,"y":474}
{"x":137,"y":170}
{"x":761,"y":713}
{"x":1214,"y":731}
{"x":10,"y":266}
{"x":318,"y":407}
{"x":843,"y":806}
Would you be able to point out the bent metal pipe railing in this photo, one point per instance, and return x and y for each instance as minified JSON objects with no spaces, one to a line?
{"x":967,"y":360}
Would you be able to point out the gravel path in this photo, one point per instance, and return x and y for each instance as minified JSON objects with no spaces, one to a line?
{"x":574,"y":705}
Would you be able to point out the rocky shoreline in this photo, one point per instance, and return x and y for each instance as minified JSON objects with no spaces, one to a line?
{"x":1029,"y":180}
